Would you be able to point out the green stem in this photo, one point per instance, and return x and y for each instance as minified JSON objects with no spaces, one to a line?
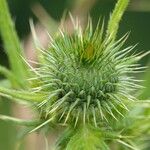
{"x":11,"y":43}
{"x":21,"y":95}
{"x":19,"y":121}
{"x":115,"y":18}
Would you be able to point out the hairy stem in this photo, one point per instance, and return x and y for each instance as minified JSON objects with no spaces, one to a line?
{"x":11,"y":43}
{"x":115,"y":18}
{"x":19,"y":121}
{"x":21,"y":95}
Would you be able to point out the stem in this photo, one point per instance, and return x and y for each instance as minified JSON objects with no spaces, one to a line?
{"x":115,"y":18}
{"x":19,"y":121}
{"x":11,"y":43}
{"x":22,"y":95}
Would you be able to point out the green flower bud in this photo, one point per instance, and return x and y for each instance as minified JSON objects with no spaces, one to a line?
{"x":84,"y":75}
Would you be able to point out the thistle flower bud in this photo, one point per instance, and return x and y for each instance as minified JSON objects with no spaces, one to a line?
{"x":84,"y":76}
{"x":82,"y":80}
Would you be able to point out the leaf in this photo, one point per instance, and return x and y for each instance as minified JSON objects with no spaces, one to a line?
{"x":87,"y":139}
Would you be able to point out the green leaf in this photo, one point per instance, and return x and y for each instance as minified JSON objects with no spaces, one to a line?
{"x":87,"y":139}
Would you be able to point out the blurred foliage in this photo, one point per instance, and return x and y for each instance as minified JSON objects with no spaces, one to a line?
{"x":135,"y":20}
{"x":6,"y":130}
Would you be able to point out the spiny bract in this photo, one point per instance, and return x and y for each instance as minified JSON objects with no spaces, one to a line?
{"x":84,"y":76}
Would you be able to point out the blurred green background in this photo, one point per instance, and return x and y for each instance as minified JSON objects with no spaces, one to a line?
{"x":136,"y":20}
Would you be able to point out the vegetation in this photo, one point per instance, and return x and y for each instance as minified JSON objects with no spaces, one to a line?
{"x":83,"y":84}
